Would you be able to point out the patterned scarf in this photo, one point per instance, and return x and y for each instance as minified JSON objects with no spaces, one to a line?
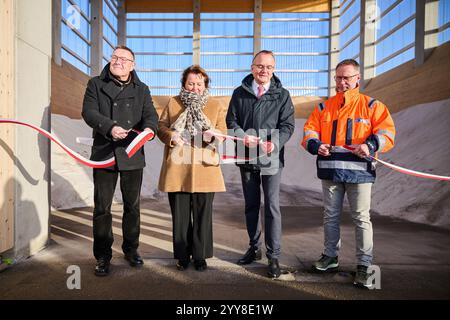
{"x":192,"y":120}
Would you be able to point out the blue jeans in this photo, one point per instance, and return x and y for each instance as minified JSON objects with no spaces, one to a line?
{"x":359,"y":196}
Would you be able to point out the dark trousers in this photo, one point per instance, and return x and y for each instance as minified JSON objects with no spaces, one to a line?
{"x":251,"y":185}
{"x":104,"y":186}
{"x":192,"y":224}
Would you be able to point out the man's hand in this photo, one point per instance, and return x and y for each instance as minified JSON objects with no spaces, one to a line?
{"x":251,"y":141}
{"x":267,"y":146}
{"x":362,"y":151}
{"x":151,"y":131}
{"x":324,"y":149}
{"x":148,"y":129}
{"x":119,"y":133}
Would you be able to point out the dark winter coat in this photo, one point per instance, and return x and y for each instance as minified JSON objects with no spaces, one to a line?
{"x":107,"y":103}
{"x":273,"y":110}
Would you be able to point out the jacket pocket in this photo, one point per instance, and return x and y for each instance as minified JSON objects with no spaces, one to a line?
{"x":361,"y":130}
{"x":210,"y":156}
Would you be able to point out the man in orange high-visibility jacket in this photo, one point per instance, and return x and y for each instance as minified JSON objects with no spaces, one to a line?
{"x":348,"y":119}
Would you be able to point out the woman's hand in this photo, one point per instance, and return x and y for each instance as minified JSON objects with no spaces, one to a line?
{"x":177,"y":140}
{"x":208,"y":135}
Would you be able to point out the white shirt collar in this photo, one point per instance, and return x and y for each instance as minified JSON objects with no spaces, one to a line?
{"x":255,"y":87}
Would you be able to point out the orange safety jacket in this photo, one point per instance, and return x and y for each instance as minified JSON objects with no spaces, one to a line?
{"x":348,"y":118}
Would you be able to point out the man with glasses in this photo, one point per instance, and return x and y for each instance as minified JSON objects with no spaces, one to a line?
{"x":116,"y":102}
{"x":262,"y":114}
{"x":363,"y":124}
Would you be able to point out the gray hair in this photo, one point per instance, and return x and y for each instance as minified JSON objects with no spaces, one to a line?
{"x":348,"y":62}
{"x":263,"y":52}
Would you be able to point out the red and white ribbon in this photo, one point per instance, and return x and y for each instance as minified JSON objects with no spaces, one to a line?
{"x":404,"y":170}
{"x":218,"y":134}
{"x":132,"y":148}
{"x":233,"y":158}
{"x":144,"y":136}
{"x":225,"y":158}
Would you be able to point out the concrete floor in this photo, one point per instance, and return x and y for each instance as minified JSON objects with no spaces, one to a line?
{"x":414,"y":260}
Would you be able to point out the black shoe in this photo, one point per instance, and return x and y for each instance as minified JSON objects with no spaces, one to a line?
{"x":183,"y":264}
{"x":200,"y":265}
{"x":274,"y":269}
{"x":134,"y":259}
{"x":102,"y":267}
{"x":362,"y":278}
{"x":250,"y":256}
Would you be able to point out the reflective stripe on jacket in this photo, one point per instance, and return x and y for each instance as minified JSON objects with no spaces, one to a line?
{"x":348,"y":118}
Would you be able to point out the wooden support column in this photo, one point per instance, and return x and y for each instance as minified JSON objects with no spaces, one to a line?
{"x":56,"y":31}
{"x":121,"y":24}
{"x":7,"y":136}
{"x":196,"y":34}
{"x":367,"y":38}
{"x":333,"y":46}
{"x":257,"y":21}
{"x":96,"y":37}
{"x":427,"y":13}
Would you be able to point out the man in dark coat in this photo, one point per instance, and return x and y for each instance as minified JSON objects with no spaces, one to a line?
{"x":262,"y":114}
{"x":114,"y":103}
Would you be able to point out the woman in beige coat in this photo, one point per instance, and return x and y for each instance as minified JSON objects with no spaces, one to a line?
{"x":190,"y":171}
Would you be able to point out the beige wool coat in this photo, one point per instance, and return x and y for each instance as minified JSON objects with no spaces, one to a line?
{"x":188,"y":168}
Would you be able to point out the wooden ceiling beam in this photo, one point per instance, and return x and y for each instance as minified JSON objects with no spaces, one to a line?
{"x":179,"y":6}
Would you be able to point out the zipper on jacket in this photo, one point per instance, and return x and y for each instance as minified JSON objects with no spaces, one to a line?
{"x":349,"y":133}
{"x":333,"y":133}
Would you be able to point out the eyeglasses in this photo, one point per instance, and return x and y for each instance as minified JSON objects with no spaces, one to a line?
{"x":121,"y":59}
{"x":348,"y":78}
{"x":261,"y":67}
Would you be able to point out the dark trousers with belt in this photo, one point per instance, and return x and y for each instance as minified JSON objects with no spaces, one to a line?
{"x":251,"y":185}
{"x":104,"y":186}
{"x":192,"y":224}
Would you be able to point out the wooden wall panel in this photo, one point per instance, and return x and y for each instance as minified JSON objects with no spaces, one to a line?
{"x":7,"y":136}
{"x":227,"y":6}
{"x":68,"y":87}
{"x":296,"y":6}
{"x":303,"y":105}
{"x":408,"y":85}
{"x":139,"y":6}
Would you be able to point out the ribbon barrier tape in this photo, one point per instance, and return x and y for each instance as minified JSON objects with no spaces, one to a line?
{"x":405,"y":170}
{"x":132,"y":148}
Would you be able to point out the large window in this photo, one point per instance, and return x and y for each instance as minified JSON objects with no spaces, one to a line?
{"x":110,"y":13}
{"x":75,"y":33}
{"x":444,"y":21}
{"x":300,"y":42}
{"x":162,"y":43}
{"x":349,"y":29}
{"x":226,"y":49}
{"x":395,"y":34}
{"x":163,"y":46}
